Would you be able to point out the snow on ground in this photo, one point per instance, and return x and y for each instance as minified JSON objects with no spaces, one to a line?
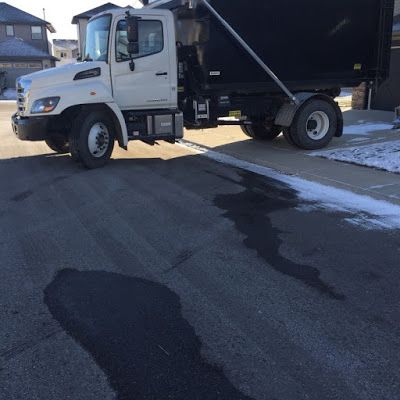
{"x":9,"y":94}
{"x":366,"y":128}
{"x":384,"y":155}
{"x":367,"y":212}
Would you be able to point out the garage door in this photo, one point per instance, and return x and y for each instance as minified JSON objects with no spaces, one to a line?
{"x":16,"y":69}
{"x":387,"y":96}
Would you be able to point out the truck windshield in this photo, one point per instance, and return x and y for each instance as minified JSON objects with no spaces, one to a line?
{"x":97,"y":33}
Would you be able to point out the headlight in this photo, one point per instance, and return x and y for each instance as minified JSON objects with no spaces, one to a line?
{"x":45,"y":105}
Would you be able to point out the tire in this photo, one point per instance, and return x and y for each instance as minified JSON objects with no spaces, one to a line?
{"x":261,"y":131}
{"x":245,"y":130}
{"x":314,"y":125}
{"x":288,"y":137}
{"x":59,"y":144}
{"x":92,"y":139}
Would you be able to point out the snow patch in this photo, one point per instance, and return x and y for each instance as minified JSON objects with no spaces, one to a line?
{"x":368,"y":212}
{"x":385,"y":156}
{"x":366,"y":128}
{"x":358,"y":140}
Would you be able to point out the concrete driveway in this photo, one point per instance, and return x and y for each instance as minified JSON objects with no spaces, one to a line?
{"x":283,"y":157}
{"x":167,"y":275}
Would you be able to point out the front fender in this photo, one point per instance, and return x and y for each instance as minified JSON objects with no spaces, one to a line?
{"x":72,"y":94}
{"x":119,"y":116}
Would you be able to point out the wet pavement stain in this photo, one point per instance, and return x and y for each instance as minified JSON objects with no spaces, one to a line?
{"x":249,"y":210}
{"x":22,"y":196}
{"x":134,"y":330}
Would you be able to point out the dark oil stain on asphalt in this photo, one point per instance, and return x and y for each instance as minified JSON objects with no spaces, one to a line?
{"x":250,"y":209}
{"x":135,"y":331}
{"x":22,"y":196}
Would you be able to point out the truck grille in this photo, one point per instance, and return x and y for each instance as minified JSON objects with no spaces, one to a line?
{"x":20,"y":101}
{"x":23,"y":87}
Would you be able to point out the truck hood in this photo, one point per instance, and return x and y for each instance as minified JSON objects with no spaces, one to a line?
{"x":60,"y":75}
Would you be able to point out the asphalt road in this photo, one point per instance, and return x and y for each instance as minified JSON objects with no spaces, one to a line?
{"x":168,"y":276}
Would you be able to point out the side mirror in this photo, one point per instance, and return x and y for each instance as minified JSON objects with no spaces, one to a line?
{"x":133,"y":48}
{"x":133,"y":34}
{"x":132,"y":27}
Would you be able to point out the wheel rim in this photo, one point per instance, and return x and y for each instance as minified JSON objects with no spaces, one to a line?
{"x":317,"y":125}
{"x":98,"y":140}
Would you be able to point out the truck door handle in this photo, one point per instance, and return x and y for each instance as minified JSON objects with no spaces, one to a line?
{"x":161,"y":73}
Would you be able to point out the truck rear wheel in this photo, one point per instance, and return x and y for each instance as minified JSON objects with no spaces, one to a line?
{"x":261,"y":131}
{"x":59,"y":144}
{"x":92,"y":139}
{"x":314,"y":125}
{"x":288,"y":137}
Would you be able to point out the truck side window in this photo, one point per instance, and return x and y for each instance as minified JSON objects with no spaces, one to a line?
{"x":151,"y":40}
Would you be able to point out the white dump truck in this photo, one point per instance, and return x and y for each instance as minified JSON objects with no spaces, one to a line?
{"x":271,"y":66}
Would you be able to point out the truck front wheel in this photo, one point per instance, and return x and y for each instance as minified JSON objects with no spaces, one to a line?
{"x":59,"y":144}
{"x":314,"y":125}
{"x":261,"y":131}
{"x":92,"y":139}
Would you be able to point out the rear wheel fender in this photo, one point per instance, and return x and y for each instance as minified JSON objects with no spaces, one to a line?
{"x":288,"y":111}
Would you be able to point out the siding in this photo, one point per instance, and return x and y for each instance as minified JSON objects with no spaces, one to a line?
{"x":24,"y":32}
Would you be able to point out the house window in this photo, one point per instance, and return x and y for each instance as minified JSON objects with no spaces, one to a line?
{"x":36,"y":32}
{"x":10,"y":30}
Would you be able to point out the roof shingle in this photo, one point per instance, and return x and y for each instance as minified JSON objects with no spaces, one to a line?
{"x":70,"y":44}
{"x":13,"y":15}
{"x":18,"y":48}
{"x":91,"y":13}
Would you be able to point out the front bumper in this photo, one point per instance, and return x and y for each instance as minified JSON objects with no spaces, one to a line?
{"x":30,"y":128}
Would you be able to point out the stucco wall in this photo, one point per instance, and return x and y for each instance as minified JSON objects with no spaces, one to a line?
{"x":71,"y":56}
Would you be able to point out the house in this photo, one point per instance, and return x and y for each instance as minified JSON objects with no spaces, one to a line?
{"x":66,"y":50}
{"x":396,"y":31}
{"x":24,"y":45}
{"x":387,"y":96}
{"x":82,"y":19}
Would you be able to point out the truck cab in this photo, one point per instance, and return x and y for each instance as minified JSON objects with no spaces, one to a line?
{"x":111,"y":95}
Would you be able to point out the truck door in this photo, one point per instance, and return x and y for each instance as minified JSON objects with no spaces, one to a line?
{"x":149,"y":86}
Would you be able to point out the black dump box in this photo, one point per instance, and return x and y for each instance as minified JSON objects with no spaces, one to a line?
{"x":309,"y":44}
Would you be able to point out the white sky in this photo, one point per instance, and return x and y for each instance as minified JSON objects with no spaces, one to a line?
{"x":60,"y":13}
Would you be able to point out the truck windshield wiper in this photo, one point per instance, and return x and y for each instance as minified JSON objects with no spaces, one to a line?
{"x":88,"y":59}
